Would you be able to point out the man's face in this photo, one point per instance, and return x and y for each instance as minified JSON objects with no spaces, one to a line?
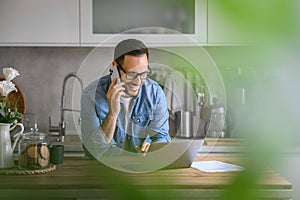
{"x":137,"y":64}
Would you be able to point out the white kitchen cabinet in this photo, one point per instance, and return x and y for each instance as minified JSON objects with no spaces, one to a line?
{"x":39,"y":22}
{"x":222,"y":29}
{"x":103,"y":21}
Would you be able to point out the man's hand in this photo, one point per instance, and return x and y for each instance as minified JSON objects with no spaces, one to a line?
{"x":144,"y":148}
{"x":115,"y":91}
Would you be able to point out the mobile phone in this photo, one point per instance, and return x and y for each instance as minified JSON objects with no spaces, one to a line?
{"x":114,"y":73}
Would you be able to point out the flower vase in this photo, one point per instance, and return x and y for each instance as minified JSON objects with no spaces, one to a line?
{"x":6,"y":148}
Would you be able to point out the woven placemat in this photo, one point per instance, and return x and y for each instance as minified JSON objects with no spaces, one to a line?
{"x":17,"y":171}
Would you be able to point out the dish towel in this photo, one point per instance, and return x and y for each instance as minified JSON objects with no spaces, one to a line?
{"x":179,"y":92}
{"x":174,"y":91}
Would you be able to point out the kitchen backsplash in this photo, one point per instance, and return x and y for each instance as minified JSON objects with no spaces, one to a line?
{"x":43,"y":69}
{"x":41,"y":77}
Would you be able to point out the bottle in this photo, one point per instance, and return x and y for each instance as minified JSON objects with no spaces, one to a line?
{"x":217,"y":126}
{"x":240,"y":90}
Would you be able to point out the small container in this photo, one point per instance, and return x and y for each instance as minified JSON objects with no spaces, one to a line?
{"x":34,"y":151}
{"x":216,"y":127}
{"x":57,"y":154}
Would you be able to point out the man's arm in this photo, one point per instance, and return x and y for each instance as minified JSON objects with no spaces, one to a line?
{"x":159,"y":126}
{"x":100,"y":131}
{"x":158,"y":130}
{"x":108,"y":127}
{"x":115,"y":91}
{"x":92,"y":135}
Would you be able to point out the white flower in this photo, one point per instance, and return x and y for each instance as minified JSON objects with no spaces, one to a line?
{"x":10,"y":73}
{"x":6,"y":87}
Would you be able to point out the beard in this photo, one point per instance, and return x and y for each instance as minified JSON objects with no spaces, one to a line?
{"x":132,"y":89}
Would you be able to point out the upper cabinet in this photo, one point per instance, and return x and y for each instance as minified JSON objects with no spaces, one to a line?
{"x":94,"y":22}
{"x":106,"y":22}
{"x":222,"y":27}
{"x":39,"y":22}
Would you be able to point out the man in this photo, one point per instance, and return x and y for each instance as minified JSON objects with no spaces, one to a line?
{"x":128,"y":110}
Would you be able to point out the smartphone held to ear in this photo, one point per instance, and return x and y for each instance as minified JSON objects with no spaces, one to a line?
{"x":114,"y":73}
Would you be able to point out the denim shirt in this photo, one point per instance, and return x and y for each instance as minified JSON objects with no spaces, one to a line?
{"x":148,"y":119}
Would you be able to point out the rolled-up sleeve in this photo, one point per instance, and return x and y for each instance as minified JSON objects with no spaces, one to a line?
{"x":92,"y":136}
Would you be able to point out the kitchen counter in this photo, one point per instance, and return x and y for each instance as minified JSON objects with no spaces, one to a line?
{"x":82,"y":178}
{"x":212,"y":146}
{"x":222,"y":147}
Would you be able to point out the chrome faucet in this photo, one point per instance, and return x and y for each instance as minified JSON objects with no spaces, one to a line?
{"x":61,"y":128}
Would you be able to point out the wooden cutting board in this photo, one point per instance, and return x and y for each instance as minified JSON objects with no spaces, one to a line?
{"x":14,"y":96}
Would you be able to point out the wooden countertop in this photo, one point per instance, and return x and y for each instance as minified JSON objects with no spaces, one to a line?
{"x":80,"y":177}
{"x":73,"y":143}
{"x":225,"y":141}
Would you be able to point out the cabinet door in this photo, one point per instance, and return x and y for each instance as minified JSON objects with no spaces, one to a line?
{"x":39,"y":22}
{"x":155,"y":22}
{"x":222,"y":29}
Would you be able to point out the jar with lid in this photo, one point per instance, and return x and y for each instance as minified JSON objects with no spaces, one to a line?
{"x":33,"y":151}
{"x":216,"y":126}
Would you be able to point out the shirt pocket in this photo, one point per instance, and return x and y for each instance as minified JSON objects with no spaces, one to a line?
{"x":142,"y":119}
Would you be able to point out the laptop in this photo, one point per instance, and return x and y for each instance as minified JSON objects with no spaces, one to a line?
{"x":185,"y":150}
{"x":179,"y":153}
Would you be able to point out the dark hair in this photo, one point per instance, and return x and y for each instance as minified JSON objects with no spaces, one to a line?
{"x":136,"y":52}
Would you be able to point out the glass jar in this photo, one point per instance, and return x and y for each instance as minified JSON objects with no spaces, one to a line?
{"x":34,"y":151}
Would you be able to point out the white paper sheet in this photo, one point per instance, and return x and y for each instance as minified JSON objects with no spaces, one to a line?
{"x":215,"y":166}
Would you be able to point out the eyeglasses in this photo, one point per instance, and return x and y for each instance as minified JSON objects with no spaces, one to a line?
{"x":134,"y":75}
